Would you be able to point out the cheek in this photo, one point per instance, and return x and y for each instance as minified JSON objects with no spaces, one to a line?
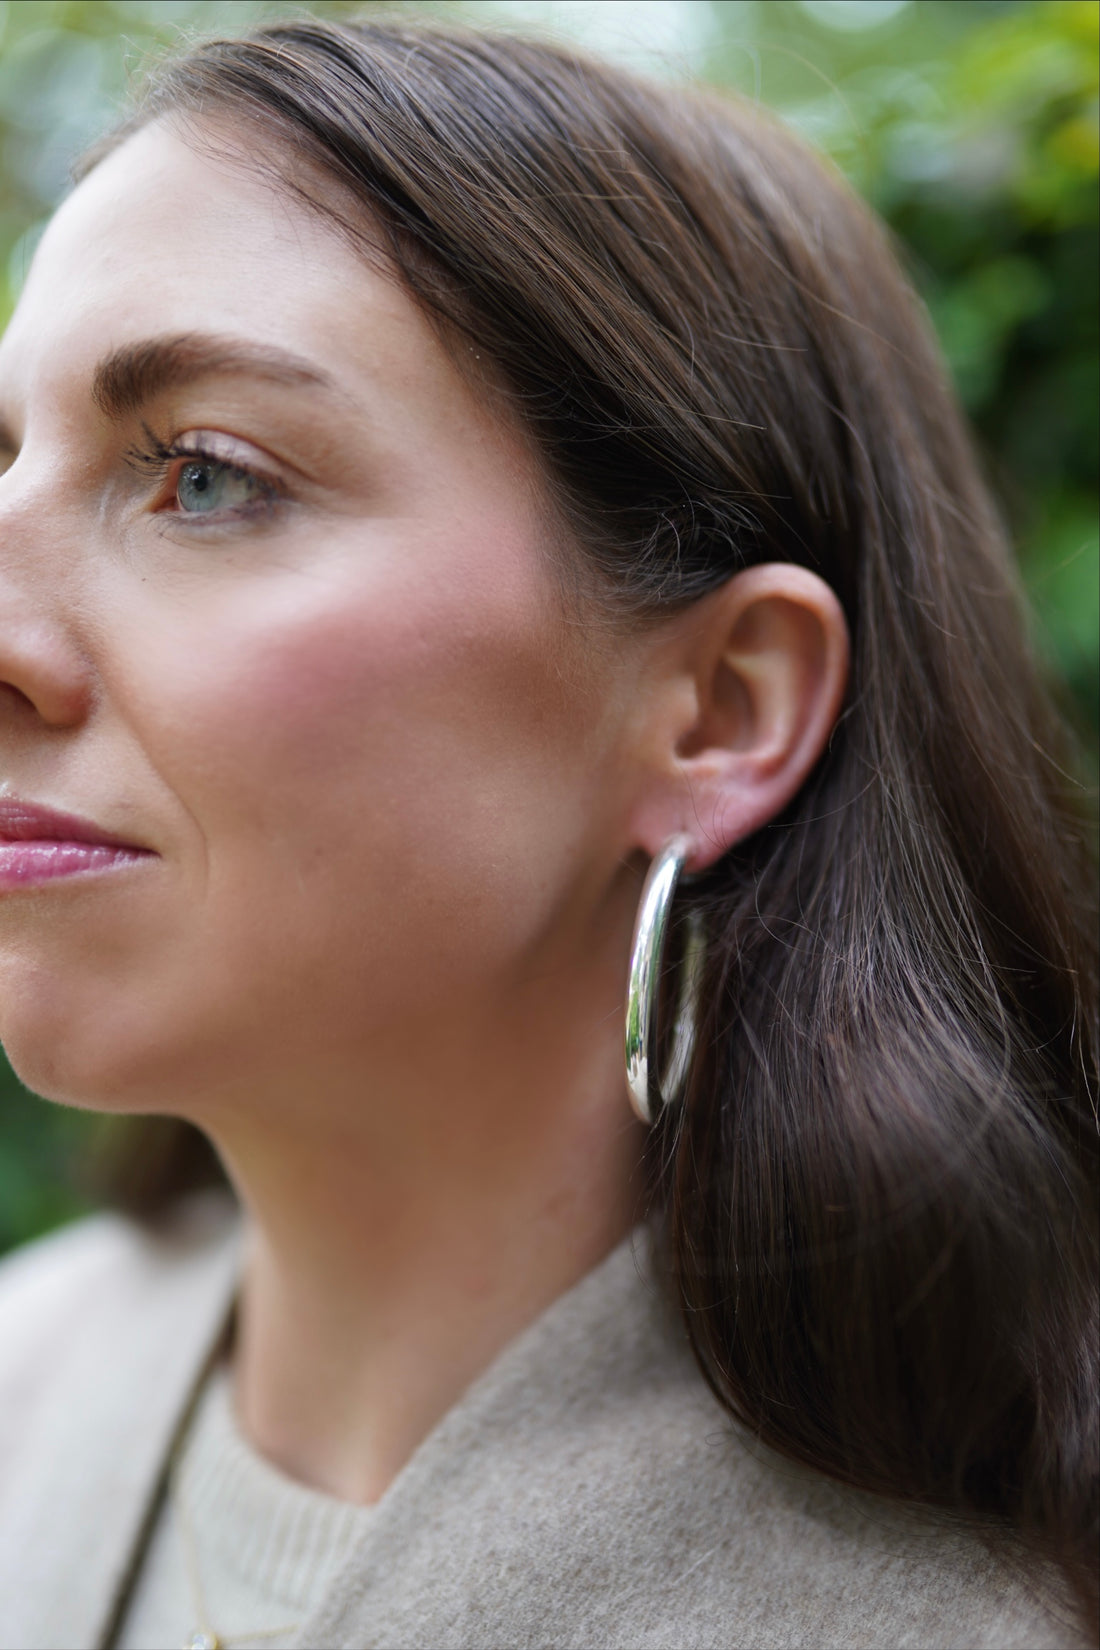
{"x":370,"y":754}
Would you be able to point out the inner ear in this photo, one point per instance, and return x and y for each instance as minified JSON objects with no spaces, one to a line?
{"x":727,"y":720}
{"x":760,"y":679}
{"x":752,"y":684}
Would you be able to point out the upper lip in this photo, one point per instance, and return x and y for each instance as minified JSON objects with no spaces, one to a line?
{"x":30,"y":822}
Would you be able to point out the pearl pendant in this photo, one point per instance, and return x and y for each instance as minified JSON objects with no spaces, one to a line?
{"x":203,"y":1641}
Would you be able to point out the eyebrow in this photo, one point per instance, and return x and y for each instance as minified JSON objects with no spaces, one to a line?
{"x":131,"y":376}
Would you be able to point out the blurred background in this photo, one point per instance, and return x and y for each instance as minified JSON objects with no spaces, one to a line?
{"x":971,"y":125}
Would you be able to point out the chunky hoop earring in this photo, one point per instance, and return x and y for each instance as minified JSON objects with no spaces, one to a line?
{"x":651,"y":1091}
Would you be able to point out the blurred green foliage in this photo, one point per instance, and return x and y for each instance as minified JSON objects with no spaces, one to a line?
{"x":971,"y":125}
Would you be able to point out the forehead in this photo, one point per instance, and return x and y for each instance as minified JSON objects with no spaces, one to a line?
{"x":166,"y":236}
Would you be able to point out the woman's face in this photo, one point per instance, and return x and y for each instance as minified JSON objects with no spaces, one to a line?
{"x":276,"y":607}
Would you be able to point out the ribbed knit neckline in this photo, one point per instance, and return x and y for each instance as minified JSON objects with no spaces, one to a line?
{"x":277,"y":1536}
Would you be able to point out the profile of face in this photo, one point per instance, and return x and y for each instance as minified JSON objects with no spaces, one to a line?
{"x":280,"y":609}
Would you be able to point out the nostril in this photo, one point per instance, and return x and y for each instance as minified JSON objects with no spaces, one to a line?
{"x":15,"y":696}
{"x":42,"y":676}
{"x":49,"y":709}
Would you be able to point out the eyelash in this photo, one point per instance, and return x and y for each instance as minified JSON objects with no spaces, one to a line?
{"x":156,"y":459}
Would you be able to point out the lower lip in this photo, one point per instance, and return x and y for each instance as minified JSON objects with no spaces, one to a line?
{"x":30,"y":864}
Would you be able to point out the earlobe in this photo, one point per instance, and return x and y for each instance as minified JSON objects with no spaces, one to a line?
{"x":767,"y":656}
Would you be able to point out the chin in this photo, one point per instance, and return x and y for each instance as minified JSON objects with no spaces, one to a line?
{"x":60,"y":1070}
{"x":79,"y":1050}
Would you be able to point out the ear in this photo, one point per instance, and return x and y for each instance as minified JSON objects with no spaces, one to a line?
{"x":751,"y":681}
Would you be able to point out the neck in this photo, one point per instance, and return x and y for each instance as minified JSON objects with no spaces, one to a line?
{"x":393,"y":1256}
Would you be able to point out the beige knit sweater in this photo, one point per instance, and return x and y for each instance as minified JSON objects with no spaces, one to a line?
{"x":238,"y":1550}
{"x":585,"y":1492}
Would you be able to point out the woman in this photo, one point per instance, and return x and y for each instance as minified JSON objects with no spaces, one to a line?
{"x":447,"y":477}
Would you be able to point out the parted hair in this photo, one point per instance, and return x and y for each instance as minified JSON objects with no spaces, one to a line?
{"x":879,"y":1195}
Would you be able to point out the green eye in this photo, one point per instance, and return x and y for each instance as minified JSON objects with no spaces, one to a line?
{"x":207,"y":485}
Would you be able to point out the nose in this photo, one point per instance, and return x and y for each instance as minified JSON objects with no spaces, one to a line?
{"x":46,"y":676}
{"x":43,"y":677}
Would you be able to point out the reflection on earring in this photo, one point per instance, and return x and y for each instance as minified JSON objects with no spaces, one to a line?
{"x":650,"y":1092}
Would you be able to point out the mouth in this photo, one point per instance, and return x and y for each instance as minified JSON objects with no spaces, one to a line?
{"x":40,"y":845}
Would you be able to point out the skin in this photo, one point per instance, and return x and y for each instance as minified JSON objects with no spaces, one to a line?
{"x":398,"y":797}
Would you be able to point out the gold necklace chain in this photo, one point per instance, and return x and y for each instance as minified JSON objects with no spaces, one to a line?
{"x":204,"y":1637}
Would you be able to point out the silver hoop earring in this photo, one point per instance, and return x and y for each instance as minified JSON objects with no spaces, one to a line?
{"x":651,"y":1091}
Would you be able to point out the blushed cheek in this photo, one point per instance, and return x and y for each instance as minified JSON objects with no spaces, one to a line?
{"x":333,"y":726}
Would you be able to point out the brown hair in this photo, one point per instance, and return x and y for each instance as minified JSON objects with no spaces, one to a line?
{"x":880,"y":1193}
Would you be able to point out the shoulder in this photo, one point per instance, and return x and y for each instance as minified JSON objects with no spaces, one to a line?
{"x":48,"y":1288}
{"x":796,"y":1558}
{"x":590,"y":1490}
{"x":73,"y":1304}
{"x":751,"y":1548}
{"x":42,"y":1283}
{"x":53,"y":1288}
{"x":104,"y":1328}
{"x":712,"y":1539}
